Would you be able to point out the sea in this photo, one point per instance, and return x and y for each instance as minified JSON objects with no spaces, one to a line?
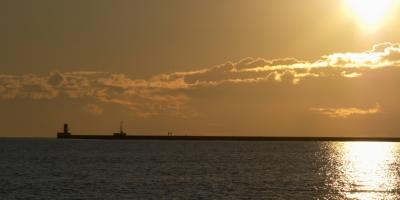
{"x":108,"y":169}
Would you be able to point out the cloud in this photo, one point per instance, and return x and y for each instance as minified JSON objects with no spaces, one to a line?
{"x":351,"y":74}
{"x":381,"y":55}
{"x":171,"y":93}
{"x":93,"y":109}
{"x":347,"y":112}
{"x":55,"y":79}
{"x":141,"y":96}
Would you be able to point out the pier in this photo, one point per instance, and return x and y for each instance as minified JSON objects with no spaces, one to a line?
{"x":169,"y":136}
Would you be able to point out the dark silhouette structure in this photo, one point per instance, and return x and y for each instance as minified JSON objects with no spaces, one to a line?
{"x":66,"y":132}
{"x":123,"y":136}
{"x":121,"y":133}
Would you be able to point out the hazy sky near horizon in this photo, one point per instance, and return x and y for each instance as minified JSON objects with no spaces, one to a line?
{"x":233,"y":67}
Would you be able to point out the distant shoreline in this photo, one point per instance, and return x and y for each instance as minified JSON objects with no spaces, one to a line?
{"x":228,"y":138}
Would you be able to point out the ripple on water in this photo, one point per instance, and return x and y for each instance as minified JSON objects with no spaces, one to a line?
{"x":79,"y":169}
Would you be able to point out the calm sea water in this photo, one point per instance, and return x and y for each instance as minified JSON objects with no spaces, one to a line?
{"x":83,"y":169}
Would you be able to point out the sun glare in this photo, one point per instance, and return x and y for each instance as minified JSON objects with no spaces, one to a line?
{"x":371,"y":13}
{"x":366,"y":167}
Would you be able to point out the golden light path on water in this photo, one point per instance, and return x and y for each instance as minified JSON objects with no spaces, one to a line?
{"x":368,"y":169}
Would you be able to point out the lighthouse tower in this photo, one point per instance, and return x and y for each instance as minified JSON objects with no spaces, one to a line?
{"x":65,"y":133}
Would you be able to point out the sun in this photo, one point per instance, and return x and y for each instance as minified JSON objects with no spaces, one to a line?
{"x":370,"y":13}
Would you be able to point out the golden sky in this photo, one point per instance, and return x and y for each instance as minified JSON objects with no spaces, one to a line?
{"x":228,"y":67}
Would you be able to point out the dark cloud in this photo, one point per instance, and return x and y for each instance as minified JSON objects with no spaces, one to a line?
{"x":55,"y":79}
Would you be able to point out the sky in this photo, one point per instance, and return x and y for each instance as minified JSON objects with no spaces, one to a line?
{"x":191,"y":67}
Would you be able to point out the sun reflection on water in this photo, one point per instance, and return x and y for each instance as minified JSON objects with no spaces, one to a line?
{"x":368,"y":170}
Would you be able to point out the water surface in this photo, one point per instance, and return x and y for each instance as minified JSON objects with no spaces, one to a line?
{"x":96,"y":169}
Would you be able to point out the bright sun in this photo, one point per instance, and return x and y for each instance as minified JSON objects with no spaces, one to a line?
{"x":371,"y":13}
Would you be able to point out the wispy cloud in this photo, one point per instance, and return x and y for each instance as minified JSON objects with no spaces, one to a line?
{"x":93,"y":109}
{"x":347,"y":112}
{"x":170,"y":93}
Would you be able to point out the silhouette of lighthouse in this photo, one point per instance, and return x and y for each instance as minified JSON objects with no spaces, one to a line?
{"x":65,"y":133}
